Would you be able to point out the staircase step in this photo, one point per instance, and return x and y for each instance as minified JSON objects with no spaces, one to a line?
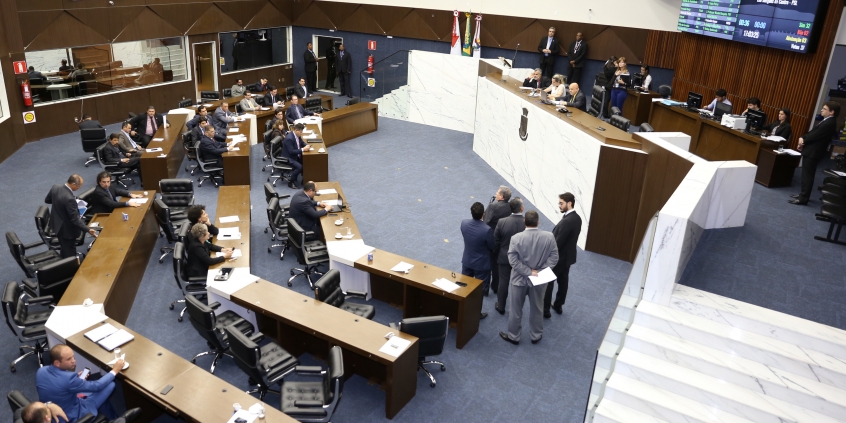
{"x":625,"y":307}
{"x":616,"y":330}
{"x":607,"y":354}
{"x":781,"y":326}
{"x":612,"y":412}
{"x":599,"y":376}
{"x":717,"y":393}
{"x":771,"y":352}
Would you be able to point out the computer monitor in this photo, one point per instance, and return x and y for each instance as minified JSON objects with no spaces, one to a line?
{"x":694,"y":100}
{"x":637,"y":80}
{"x":720,"y":109}
{"x":755,"y":119}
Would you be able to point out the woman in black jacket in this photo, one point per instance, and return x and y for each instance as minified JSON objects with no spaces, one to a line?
{"x":199,"y":251}
{"x":781,"y":127}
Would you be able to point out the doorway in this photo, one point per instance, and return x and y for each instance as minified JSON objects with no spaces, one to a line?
{"x":327,"y":52}
{"x":205,"y":76}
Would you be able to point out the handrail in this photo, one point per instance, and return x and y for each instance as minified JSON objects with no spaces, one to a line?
{"x":360,"y":73}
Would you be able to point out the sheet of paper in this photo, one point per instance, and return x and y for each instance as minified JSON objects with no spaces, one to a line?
{"x":243,"y":414}
{"x":235,"y":254}
{"x":264,"y":108}
{"x":776,"y":138}
{"x":792,"y":152}
{"x":140,"y":200}
{"x":158,"y":139}
{"x":228,"y":233}
{"x":330,"y":202}
{"x":153,"y":150}
{"x":101,"y":332}
{"x":116,"y":339}
{"x":395,"y":346}
{"x":229,"y":219}
{"x":327,"y":191}
{"x":310,"y":137}
{"x":402,"y":267}
{"x":208,"y":104}
{"x":526,"y":88}
{"x":162,"y":155}
{"x":446,"y":285}
{"x":235,"y":149}
{"x":657,"y":99}
{"x":544,"y":276}
{"x":307,"y":131}
{"x":840,"y":173}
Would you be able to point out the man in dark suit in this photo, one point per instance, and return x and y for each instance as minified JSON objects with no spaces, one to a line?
{"x":126,"y":143}
{"x":330,"y":67}
{"x":273,"y":99}
{"x":220,"y":129}
{"x":296,"y":111}
{"x":548,"y":48}
{"x":199,"y":131}
{"x":814,"y":146}
{"x":566,"y":233}
{"x":310,"y":60}
{"x":478,"y":244}
{"x":210,"y":149}
{"x":34,"y":74}
{"x":576,"y":53}
{"x":301,"y":90}
{"x":113,"y":156}
{"x":147,"y":124}
{"x":536,"y":80}
{"x":304,"y":209}
{"x":497,"y":209}
{"x":262,"y":85}
{"x":89,"y":123}
{"x":574,"y":97}
{"x":104,"y":198}
{"x":505,"y":229}
{"x":293,"y":147}
{"x":64,"y":215}
{"x":344,"y":70}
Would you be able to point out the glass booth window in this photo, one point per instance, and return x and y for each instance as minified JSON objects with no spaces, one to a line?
{"x":254,"y":49}
{"x":80,"y":71}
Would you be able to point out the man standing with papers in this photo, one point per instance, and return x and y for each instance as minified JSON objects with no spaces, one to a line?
{"x":64,"y":215}
{"x":529,"y":253}
{"x":566,"y":234}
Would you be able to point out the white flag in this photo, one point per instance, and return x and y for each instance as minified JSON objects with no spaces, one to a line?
{"x":456,"y":35}
{"x":477,"y":41}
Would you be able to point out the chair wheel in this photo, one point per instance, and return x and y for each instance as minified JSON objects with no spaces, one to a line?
{"x":268,"y":179}
{"x":443,"y":368}
{"x":170,"y":307}
{"x":268,"y":250}
{"x":262,"y":169}
{"x":12,"y":368}
{"x":292,"y":273}
{"x":265,"y":230}
{"x":193,"y":361}
{"x":161,"y":261}
{"x":432,"y":384}
{"x":290,"y":284}
{"x":179,"y":319}
{"x":86,"y":165}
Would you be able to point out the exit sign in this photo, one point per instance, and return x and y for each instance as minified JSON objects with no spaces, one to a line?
{"x":371,"y":45}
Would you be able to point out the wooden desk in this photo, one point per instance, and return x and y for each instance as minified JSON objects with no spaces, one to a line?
{"x":236,"y":164}
{"x":775,"y":170}
{"x":304,"y":325}
{"x":664,"y":118}
{"x":113,"y":268}
{"x":316,"y":165}
{"x":154,"y":168}
{"x":416,"y":296}
{"x":638,"y":105}
{"x":327,"y":222}
{"x":349,"y":122}
{"x":234,"y":201}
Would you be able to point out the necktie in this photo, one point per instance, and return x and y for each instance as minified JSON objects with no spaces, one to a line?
{"x":578,"y":44}
{"x":131,"y":141}
{"x":110,"y":195}
{"x":152,"y":123}
{"x":298,"y":114}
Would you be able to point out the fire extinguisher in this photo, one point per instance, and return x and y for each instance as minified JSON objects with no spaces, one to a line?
{"x":370,"y":64}
{"x":27,"y":94}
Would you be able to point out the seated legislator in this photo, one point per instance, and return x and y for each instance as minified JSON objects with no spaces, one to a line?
{"x":199,"y":131}
{"x":238,"y":88}
{"x":754,"y":103}
{"x":262,"y":85}
{"x":126,"y":143}
{"x":248,"y":103}
{"x":300,"y":89}
{"x":296,"y":111}
{"x":211,"y":149}
{"x":293,"y":147}
{"x":197,"y":214}
{"x":147,"y":124}
{"x":536,"y":81}
{"x":113,"y":156}
{"x":557,"y":88}
{"x":781,"y":127}
{"x":273,"y":99}
{"x":722,"y":97}
{"x":104,"y":198}
{"x":61,"y":384}
{"x":89,"y":123}
{"x":647,"y":78}
{"x":39,"y":412}
{"x":203,"y":113}
{"x":222,"y":117}
{"x":65,"y":67}
{"x":304,"y":210}
{"x":280,"y":129}
{"x":574,"y":98}
{"x":199,"y":251}
{"x":278,"y":114}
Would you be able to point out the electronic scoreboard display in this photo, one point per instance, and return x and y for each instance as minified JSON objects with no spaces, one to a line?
{"x":782,"y":24}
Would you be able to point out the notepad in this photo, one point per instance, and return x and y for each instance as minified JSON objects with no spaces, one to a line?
{"x":228,"y":233}
{"x":395,"y":346}
{"x":446,"y":285}
{"x":402,"y":267}
{"x":229,"y":219}
{"x":544,"y":276}
{"x":116,"y":339}
{"x":235,"y":253}
{"x":140,"y":200}
{"x":101,"y":332}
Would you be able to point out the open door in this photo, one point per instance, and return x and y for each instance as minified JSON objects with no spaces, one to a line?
{"x":205,"y":57}
{"x":327,"y":51}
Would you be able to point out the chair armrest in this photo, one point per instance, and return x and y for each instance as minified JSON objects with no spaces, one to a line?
{"x":88,"y":418}
{"x":197,"y":279}
{"x":257,"y":337}
{"x":309,"y":370}
{"x":237,"y":322}
{"x":33,"y":245}
{"x":47,"y":299}
{"x":283,"y":196}
{"x":31,"y":285}
{"x":307,"y":404}
{"x":214,"y":305}
{"x":320,"y":247}
{"x":273,"y":363}
{"x":359,"y":294}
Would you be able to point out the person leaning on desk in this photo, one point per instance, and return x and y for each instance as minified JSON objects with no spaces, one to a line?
{"x":536,"y":81}
{"x":557,"y":88}
{"x":104,"y":197}
{"x":781,"y":127}
{"x":722,"y":97}
{"x":199,"y":251}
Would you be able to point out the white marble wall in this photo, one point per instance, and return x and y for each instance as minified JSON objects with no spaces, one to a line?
{"x":556,"y":157}
{"x":46,"y":60}
{"x":442,"y":90}
{"x":133,"y":53}
{"x":517,"y":73}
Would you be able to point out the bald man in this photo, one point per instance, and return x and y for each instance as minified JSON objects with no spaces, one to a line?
{"x":574,"y":97}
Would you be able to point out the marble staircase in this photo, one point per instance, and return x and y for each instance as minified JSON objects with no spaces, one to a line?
{"x":172,"y":59}
{"x":707,"y":358}
{"x":394,"y":104}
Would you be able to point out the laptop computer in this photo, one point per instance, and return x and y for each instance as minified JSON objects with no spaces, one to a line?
{"x":544,"y":97}
{"x":337,"y":208}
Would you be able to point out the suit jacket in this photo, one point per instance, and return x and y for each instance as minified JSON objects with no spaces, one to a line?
{"x":817,"y":139}
{"x":310,"y":60}
{"x":249,"y":105}
{"x":553,"y":47}
{"x":529,"y":250}
{"x":292,"y":147}
{"x":125,"y":143}
{"x":344,"y":63}
{"x":199,"y":257}
{"x":291,"y":112}
{"x":577,"y":56}
{"x":139,"y":123}
{"x":505,"y":229}
{"x":579,"y":102}
{"x":495,"y":211}
{"x":238,"y":90}
{"x":211,"y":149}
{"x":478,"y":244}
{"x":269,"y":99}
{"x":566,"y":233}
{"x":64,"y":215}
{"x":300,"y":91}
{"x":61,"y":386}
{"x":304,"y":211}
{"x":261,"y":87}
{"x":221,"y":119}
{"x":89,"y":124}
{"x":112,"y":154}
{"x":609,"y":72}
{"x":105,"y":201}
{"x":197,"y":133}
{"x":537,"y":84}
{"x":784,"y":131}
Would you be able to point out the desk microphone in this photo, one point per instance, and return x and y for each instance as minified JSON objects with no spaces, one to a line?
{"x":515,"y":55}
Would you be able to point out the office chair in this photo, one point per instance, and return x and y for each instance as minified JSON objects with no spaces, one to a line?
{"x":266,"y":138}
{"x":91,"y":139}
{"x":27,"y":324}
{"x":309,"y":253}
{"x":665,"y":91}
{"x":328,"y":290}
{"x":265,"y":365}
{"x":211,"y":327}
{"x":277,"y":220}
{"x":190,"y":152}
{"x":194,"y":286}
{"x":620,"y":122}
{"x":209,"y":95}
{"x":86,"y":196}
{"x":279,"y":163}
{"x":239,"y":110}
{"x":120,"y":174}
{"x":17,"y":400}
{"x":645,"y":127}
{"x":270,"y":193}
{"x":227,"y":92}
{"x":178,"y":195}
{"x":30,"y":263}
{"x":597,"y":101}
{"x":42,"y":225}
{"x":289,"y":91}
{"x":210,"y":170}
{"x":431,"y":332}
{"x":253,"y":88}
{"x":184,"y":103}
{"x":835,"y":215}
{"x":314,"y":104}
{"x":354,"y":100}
{"x":315,"y":401}
{"x":167,"y":225}
{"x":52,"y":279}
{"x":615,"y":111}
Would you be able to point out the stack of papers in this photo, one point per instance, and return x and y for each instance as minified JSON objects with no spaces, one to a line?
{"x":116,"y":339}
{"x":544,"y":276}
{"x":153,"y":150}
{"x":229,"y":219}
{"x":326,"y":191}
{"x":208,"y":104}
{"x":158,"y":139}
{"x":402,"y":267}
{"x":446,"y":285}
{"x":395,"y":346}
{"x":775,"y":138}
{"x":243,"y":415}
{"x":310,"y":137}
{"x":526,"y":88}
{"x":307,"y":131}
{"x":235,"y":253}
{"x":140,"y":200}
{"x":789,"y":151}
{"x":229,"y":233}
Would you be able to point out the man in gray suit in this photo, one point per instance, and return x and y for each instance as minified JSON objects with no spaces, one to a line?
{"x":530,"y":252}
{"x":506,"y":228}
{"x":126,"y":143}
{"x":497,"y":209}
{"x":222,"y":116}
{"x":64,"y":215}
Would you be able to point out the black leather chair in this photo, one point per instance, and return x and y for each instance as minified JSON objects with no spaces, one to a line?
{"x":178,"y":195}
{"x":209,"y":95}
{"x":120,"y":174}
{"x":33,"y":261}
{"x":620,"y":122}
{"x":264,"y":365}
{"x":277,"y":222}
{"x":17,"y":400}
{"x":189,"y":285}
{"x":354,"y":100}
{"x":238,"y":110}
{"x":328,"y":290}
{"x":86,"y":196}
{"x":431,"y":332}
{"x":278,"y":162}
{"x":289,"y":91}
{"x":615,"y":111}
{"x":210,"y":170}
{"x":314,"y":104}
{"x":26,"y":323}
{"x":167,"y":225}
{"x":253,"y":88}
{"x":42,"y":225}
{"x":52,"y":279}
{"x":309,"y":253}
{"x":184,"y":103}
{"x":665,"y":91}
{"x":211,"y":327}
{"x":315,"y":401}
{"x":91,"y":139}
{"x":645,"y":127}
{"x":267,"y":136}
{"x":597,"y":101}
{"x":190,"y":152}
{"x":227,"y":92}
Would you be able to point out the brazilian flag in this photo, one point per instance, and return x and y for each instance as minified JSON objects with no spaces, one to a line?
{"x":467,"y":48}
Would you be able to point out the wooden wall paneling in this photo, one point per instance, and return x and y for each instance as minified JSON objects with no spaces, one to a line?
{"x":660,"y":49}
{"x":361,"y":21}
{"x":634,"y":39}
{"x":298,"y":8}
{"x":413,"y":26}
{"x":337,"y":12}
{"x":213,"y":20}
{"x":145,"y":25}
{"x":92,"y":4}
{"x":166,"y":97}
{"x":116,"y":107}
{"x":608,"y":43}
{"x":268,"y":17}
{"x":502,"y":28}
{"x":180,"y":16}
{"x":65,"y":31}
{"x":387,"y":17}
{"x":241,"y":11}
{"x":440,"y":21}
{"x":613,"y":218}
{"x":33,"y":23}
{"x":31,"y":5}
{"x":312,"y":17}
{"x":527,"y":38}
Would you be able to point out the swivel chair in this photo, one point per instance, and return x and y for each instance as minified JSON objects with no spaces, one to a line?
{"x":52,"y":279}
{"x":328,"y":290}
{"x":190,"y":152}
{"x":227,"y":92}
{"x":278,"y":162}
{"x":615,"y":111}
{"x":184,"y":103}
{"x":33,"y":261}
{"x":315,"y":401}
{"x":597,"y":101}
{"x":178,"y":195}
{"x":26,"y":323}
{"x":277,"y":220}
{"x":194,"y":286}
{"x":211,"y":327}
{"x":42,"y":225}
{"x":120,"y":174}
{"x":211,"y":171}
{"x":91,"y":139}
{"x":431,"y":332}
{"x":209,"y":95}
{"x":620,"y":122}
{"x":264,"y":365}
{"x":645,"y":127}
{"x":309,"y":253}
{"x":167,"y":225}
{"x":665,"y":91}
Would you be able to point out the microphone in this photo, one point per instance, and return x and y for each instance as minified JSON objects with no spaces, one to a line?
{"x":515,"y":55}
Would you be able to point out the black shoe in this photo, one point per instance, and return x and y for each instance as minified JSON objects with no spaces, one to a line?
{"x":535,"y":341}
{"x":486,"y":293}
{"x":558,"y":309}
{"x":504,"y":336}
{"x":547,"y":314}
{"x":794,"y":196}
{"x":292,"y":185}
{"x":498,"y":310}
{"x":483,"y":315}
{"x":131,"y":415}
{"x":798,"y":202}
